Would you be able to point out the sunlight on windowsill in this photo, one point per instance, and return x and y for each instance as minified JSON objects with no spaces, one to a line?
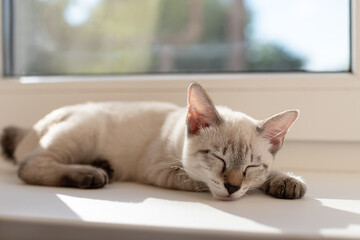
{"x":192,"y":215}
{"x":161,"y":212}
{"x":352,"y":206}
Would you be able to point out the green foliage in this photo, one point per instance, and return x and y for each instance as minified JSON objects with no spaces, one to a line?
{"x":215,"y":20}
{"x":172,"y":17}
{"x":133,"y":37}
{"x":272,"y":57}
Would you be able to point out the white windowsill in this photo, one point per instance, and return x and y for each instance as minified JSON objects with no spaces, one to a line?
{"x":330,"y":209}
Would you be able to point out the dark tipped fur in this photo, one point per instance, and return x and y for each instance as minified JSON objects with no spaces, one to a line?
{"x":286,"y":188}
{"x":84,"y":179}
{"x":10,"y":138}
{"x":104,"y":165}
{"x":88,"y":178}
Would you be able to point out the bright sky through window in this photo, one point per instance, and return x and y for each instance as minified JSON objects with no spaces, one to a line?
{"x":317,"y":30}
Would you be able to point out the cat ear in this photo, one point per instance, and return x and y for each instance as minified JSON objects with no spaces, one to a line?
{"x":275,"y":128}
{"x":201,"y":110}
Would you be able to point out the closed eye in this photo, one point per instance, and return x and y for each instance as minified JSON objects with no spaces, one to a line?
{"x":224,"y":167}
{"x":204,"y":151}
{"x":251,"y":166}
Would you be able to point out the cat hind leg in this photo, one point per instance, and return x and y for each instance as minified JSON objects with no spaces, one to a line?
{"x":41,"y":168}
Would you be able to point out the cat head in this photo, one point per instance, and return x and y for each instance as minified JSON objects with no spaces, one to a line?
{"x":227,"y":150}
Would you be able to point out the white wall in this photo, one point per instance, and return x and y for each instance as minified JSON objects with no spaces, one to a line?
{"x":329,"y":103}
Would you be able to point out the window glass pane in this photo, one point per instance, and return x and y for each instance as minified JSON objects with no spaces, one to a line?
{"x":178,"y":36}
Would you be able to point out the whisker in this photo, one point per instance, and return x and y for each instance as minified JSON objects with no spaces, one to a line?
{"x":177,"y":165}
{"x":204,"y":189}
{"x":182,"y":174}
{"x":175,"y":158}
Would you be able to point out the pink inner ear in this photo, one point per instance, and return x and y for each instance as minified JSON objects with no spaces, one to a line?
{"x":195,"y":123}
{"x":196,"y":119}
{"x":271,"y":132}
{"x":278,"y":125}
{"x":275,"y":128}
{"x":201,"y":112}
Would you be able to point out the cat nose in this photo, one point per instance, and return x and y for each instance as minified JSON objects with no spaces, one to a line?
{"x":231,"y":188}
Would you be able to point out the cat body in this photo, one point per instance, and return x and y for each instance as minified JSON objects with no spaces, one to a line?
{"x":198,"y":148}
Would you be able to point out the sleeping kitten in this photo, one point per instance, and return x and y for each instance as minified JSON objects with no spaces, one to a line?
{"x":198,"y":148}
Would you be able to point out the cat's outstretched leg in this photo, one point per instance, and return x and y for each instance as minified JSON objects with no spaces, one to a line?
{"x":41,"y":168}
{"x":285,"y":186}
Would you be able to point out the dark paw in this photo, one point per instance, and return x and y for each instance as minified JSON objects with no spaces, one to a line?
{"x":104,"y":165}
{"x":286,"y":187}
{"x":86,"y":178}
{"x":9,"y":140}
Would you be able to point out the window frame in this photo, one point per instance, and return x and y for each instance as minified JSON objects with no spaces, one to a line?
{"x":321,"y":121}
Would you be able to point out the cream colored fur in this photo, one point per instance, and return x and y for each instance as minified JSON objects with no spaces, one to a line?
{"x":150,"y":142}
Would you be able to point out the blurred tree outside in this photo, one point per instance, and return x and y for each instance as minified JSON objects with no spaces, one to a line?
{"x":116,"y":37}
{"x":138,"y":36}
{"x":272,"y":57}
{"x":223,"y":44}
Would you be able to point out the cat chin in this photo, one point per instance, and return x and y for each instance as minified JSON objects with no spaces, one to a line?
{"x":225,"y":197}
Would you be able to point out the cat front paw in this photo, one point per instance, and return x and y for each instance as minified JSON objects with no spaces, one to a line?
{"x":86,"y":178}
{"x":286,"y":187}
